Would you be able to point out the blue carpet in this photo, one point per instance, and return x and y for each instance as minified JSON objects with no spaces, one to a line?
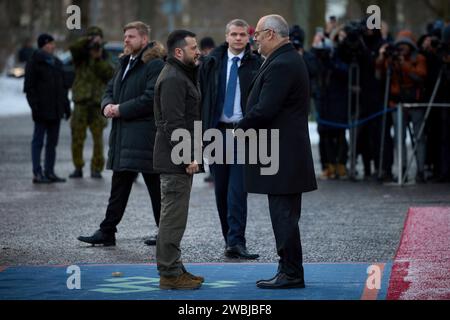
{"x":230,"y":281}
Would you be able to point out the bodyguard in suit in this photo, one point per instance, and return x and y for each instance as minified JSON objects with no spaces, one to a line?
{"x":225,"y":76}
{"x":279,"y":99}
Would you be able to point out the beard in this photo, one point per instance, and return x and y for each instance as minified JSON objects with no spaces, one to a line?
{"x":190,"y":61}
{"x":133,"y":50}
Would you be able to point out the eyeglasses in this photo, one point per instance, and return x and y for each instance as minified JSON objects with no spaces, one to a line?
{"x":256,"y":34}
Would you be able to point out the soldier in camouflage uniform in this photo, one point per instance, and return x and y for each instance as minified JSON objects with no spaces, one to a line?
{"x":93,"y":70}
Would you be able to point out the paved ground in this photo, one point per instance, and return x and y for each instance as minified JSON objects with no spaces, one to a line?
{"x":342,"y":222}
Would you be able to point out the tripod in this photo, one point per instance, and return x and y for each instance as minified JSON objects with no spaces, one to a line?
{"x":383,"y":127}
{"x":427,"y":114}
{"x":354,"y":91}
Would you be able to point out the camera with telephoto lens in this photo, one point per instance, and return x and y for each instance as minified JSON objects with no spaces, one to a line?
{"x":392,"y":52}
{"x":94,"y":45}
{"x":353,"y":45}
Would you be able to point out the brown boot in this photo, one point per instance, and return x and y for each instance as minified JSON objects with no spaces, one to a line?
{"x":196,"y":278}
{"x":342,"y":171}
{"x":182,"y":282}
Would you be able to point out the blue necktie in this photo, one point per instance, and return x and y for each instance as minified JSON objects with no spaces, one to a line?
{"x":231,"y":89}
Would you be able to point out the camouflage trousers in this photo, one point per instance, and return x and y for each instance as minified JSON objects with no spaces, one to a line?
{"x":83,"y":117}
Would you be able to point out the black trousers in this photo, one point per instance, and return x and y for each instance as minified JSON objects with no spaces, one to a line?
{"x":336,"y":146}
{"x":285,"y":211}
{"x":122,"y":181}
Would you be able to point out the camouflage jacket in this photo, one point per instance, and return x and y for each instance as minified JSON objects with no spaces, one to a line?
{"x":91,"y":75}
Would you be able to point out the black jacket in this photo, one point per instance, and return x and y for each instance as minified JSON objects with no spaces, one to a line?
{"x":209,"y":77}
{"x":132,"y":135}
{"x":177,"y":106}
{"x":46,"y":87}
{"x":279,"y":99}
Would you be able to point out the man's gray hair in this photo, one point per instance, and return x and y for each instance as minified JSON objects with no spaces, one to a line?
{"x":278,"y":24}
{"x":237,"y":23}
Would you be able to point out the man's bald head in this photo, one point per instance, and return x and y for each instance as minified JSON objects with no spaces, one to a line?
{"x":276,"y":23}
{"x":271,"y":32}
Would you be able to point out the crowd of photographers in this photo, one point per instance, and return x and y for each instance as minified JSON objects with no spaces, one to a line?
{"x":357,"y":76}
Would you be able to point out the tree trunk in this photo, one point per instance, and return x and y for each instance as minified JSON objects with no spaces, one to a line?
{"x":310,"y":14}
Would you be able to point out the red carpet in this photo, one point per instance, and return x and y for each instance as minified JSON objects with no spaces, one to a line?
{"x":421,"y":270}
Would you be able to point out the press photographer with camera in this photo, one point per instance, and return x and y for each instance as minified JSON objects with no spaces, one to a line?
{"x":409,"y":70}
{"x":435,"y":46}
{"x":429,"y":45}
{"x":362,"y":92}
{"x":93,"y":70}
{"x":330,"y":94}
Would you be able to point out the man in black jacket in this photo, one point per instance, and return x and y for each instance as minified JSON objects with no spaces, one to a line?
{"x":177,"y":107}
{"x":225,"y":76}
{"x":46,"y":90}
{"x":279,"y":100}
{"x":128,"y":100}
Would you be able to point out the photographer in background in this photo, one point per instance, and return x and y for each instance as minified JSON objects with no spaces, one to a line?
{"x":330,"y":93}
{"x":441,"y":57}
{"x":92,"y":72}
{"x":409,"y":70}
{"x":354,"y":48}
{"x":428,"y":45}
{"x":315,"y":60}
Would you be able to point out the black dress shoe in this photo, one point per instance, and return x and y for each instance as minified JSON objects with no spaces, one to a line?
{"x":151,"y":241}
{"x":41,"y":179}
{"x":54,"y":178}
{"x":76,"y":174}
{"x":281,"y":281}
{"x":239,"y":252}
{"x":271,"y":279}
{"x":100,"y":237}
{"x":96,"y":175}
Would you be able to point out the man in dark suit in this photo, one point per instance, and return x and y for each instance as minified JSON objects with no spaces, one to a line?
{"x":279,"y":100}
{"x":128,"y":101}
{"x":225,"y":76}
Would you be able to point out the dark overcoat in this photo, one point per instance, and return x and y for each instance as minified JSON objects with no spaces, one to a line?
{"x":279,"y":99}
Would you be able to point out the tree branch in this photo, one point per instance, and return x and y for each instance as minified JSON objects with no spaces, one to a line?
{"x":432,"y":7}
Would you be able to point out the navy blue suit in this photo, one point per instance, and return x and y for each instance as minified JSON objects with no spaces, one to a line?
{"x":231,"y":197}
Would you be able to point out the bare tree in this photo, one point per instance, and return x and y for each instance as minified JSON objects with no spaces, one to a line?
{"x":85,"y":11}
{"x":441,"y":8}
{"x":10,"y":28}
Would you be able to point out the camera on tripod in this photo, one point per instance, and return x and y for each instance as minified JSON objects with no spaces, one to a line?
{"x":353,"y":46}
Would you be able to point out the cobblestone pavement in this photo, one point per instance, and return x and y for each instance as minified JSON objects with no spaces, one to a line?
{"x":341,"y":222}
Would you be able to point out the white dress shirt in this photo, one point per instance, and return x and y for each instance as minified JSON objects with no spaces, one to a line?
{"x":237,"y":113}
{"x":128,"y":66}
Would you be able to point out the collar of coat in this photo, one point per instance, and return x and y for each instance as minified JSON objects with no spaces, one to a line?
{"x":284,"y":48}
{"x":149,"y":53}
{"x":190,"y":71}
{"x":42,"y":56}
